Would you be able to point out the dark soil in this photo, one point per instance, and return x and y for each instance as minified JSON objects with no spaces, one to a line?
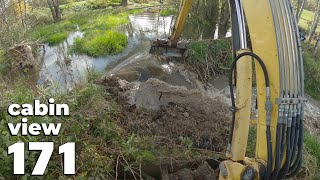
{"x":207,"y":127}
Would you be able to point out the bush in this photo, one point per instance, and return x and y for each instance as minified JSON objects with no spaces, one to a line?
{"x":97,"y":43}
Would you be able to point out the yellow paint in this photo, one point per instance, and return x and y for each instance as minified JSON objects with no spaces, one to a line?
{"x":263,"y":39}
{"x":243,"y":105}
{"x":180,"y":21}
{"x":234,"y":170}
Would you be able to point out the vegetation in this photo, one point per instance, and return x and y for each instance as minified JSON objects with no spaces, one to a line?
{"x":168,"y":12}
{"x":209,"y":58}
{"x":312,"y":75}
{"x":99,"y":43}
{"x":312,"y":155}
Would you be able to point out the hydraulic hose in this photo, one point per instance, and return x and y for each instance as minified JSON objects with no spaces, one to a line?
{"x":278,"y":151}
{"x":284,"y":170}
{"x":294,"y":169}
{"x":296,"y":138}
{"x":268,"y":104}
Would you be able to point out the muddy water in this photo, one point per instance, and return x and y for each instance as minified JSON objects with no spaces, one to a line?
{"x":63,"y":70}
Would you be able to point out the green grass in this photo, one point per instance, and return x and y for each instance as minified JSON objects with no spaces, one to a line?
{"x":54,"y":33}
{"x":306,"y":20}
{"x":98,"y":43}
{"x":87,"y":21}
{"x":57,"y":38}
{"x":168,"y":12}
{"x":312,"y":75}
{"x":312,"y":154}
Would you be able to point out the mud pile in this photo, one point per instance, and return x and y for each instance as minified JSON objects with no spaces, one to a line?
{"x":155,"y":108}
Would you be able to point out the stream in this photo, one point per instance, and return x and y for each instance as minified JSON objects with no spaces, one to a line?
{"x":63,"y":70}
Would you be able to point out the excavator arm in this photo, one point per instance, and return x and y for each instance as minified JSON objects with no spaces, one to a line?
{"x":275,"y":52}
{"x":170,"y":46}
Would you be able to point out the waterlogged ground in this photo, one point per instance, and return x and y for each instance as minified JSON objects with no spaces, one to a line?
{"x":63,"y":70}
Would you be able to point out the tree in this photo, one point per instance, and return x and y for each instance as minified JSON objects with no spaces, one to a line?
{"x":124,"y":3}
{"x":224,"y":20}
{"x":315,"y":22}
{"x":55,"y":10}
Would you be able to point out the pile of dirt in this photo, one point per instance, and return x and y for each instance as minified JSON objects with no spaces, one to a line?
{"x":155,"y":108}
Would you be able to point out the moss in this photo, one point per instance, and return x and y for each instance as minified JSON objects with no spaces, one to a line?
{"x":98,"y":43}
{"x":168,"y":12}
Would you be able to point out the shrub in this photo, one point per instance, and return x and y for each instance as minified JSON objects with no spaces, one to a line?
{"x":97,"y":43}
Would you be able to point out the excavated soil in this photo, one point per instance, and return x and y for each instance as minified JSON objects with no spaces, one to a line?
{"x":155,"y":108}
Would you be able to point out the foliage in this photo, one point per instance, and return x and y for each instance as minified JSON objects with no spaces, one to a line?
{"x":97,"y":43}
{"x":168,"y":12}
{"x":311,"y":155}
{"x":3,"y":62}
{"x":39,"y":17}
{"x":312,"y":75}
{"x":98,"y":4}
{"x":209,"y":58}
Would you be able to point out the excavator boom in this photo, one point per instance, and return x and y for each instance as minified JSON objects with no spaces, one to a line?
{"x":170,"y":46}
{"x":275,"y":52}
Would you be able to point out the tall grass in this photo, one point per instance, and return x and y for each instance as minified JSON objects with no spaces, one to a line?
{"x":98,"y":43}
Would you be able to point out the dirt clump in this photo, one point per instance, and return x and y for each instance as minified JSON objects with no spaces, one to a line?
{"x":155,"y":108}
{"x":22,"y":57}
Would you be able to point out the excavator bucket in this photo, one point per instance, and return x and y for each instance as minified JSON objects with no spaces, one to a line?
{"x":163,"y":47}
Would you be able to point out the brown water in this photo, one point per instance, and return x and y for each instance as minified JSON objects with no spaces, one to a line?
{"x":62,"y":70}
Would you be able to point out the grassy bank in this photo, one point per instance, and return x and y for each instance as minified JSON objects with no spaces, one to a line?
{"x":209,"y":58}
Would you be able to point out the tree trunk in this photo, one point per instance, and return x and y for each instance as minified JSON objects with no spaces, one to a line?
{"x":300,"y":9}
{"x":315,"y":22}
{"x":124,"y":3}
{"x":224,"y":20}
{"x":316,"y":45}
{"x":55,"y":10}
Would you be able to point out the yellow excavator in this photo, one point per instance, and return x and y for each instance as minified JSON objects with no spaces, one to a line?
{"x":275,"y":51}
